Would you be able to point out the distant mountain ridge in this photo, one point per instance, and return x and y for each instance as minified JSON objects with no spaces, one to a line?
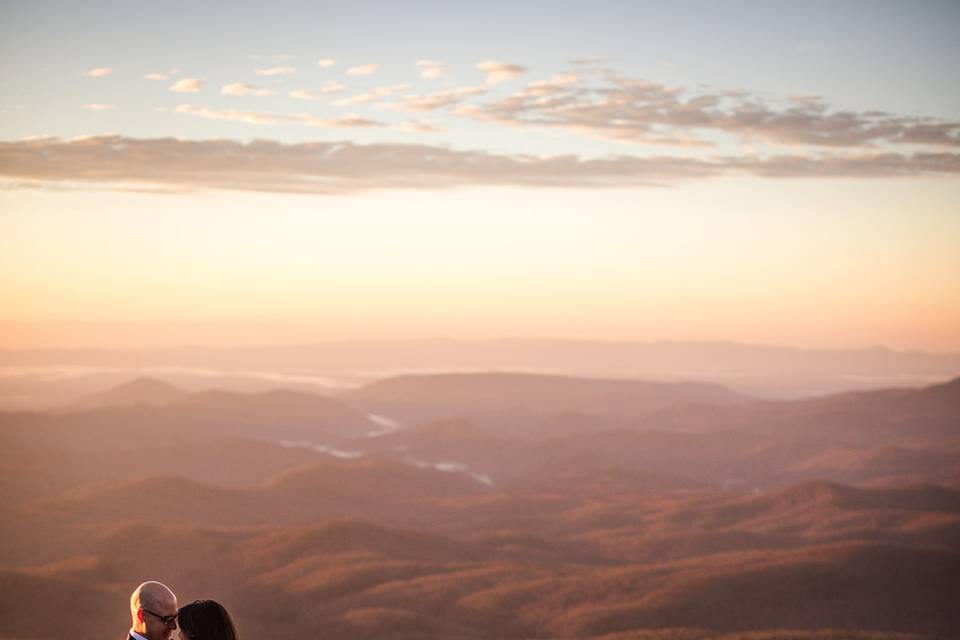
{"x":149,"y":391}
{"x":275,"y":415}
{"x":326,"y":489}
{"x":516,"y":429}
{"x":422,"y":397}
{"x":754,"y":369}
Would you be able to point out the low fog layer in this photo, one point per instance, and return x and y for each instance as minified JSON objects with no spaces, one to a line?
{"x":49,"y":377}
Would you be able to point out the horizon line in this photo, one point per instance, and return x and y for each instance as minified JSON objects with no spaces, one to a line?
{"x":717,"y":342}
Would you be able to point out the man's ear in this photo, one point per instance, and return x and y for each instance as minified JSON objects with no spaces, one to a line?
{"x":140,"y":616}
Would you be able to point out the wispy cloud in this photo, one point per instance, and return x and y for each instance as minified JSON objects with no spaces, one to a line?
{"x":250,"y":117}
{"x":244,"y":89}
{"x":554,"y":84}
{"x":418,"y":126}
{"x":326,"y":63}
{"x":436,"y":100}
{"x":187,"y":85}
{"x":638,"y":111}
{"x":350,"y":121}
{"x":276,"y":71}
{"x":98,"y":72}
{"x":98,"y":107}
{"x":265,"y":117}
{"x":162,"y":75}
{"x":360,"y":98}
{"x":500,"y":71}
{"x":431,"y":69}
{"x":332,"y":87}
{"x":370,"y":96}
{"x":303,"y":94}
{"x":363,"y":70}
{"x":327,"y":89}
{"x":342,"y":167}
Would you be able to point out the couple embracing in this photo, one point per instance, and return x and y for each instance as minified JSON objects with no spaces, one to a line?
{"x":154,"y":615}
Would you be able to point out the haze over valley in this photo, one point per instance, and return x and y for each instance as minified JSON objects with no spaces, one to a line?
{"x":495,"y":505}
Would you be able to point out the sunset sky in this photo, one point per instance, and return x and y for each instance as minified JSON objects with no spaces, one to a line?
{"x":208,"y":173}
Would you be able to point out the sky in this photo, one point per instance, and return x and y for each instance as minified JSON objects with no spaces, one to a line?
{"x":252,"y":173}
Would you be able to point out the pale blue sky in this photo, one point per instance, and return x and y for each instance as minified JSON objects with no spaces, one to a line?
{"x":779,"y":172}
{"x":891,"y":56}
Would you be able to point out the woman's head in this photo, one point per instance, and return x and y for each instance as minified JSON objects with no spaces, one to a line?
{"x":205,"y":620}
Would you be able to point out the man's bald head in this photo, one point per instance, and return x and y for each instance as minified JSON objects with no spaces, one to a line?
{"x":150,"y":603}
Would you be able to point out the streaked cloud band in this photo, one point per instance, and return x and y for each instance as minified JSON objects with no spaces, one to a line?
{"x":340,"y":167}
{"x":634,"y":110}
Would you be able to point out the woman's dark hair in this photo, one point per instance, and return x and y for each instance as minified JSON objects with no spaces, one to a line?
{"x":206,"y":620}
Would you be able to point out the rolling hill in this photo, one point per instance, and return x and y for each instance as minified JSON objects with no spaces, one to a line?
{"x":635,"y":518}
{"x":416,"y":398}
{"x":139,"y":391}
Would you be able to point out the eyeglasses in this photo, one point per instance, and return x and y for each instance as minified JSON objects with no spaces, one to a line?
{"x":166,"y":620}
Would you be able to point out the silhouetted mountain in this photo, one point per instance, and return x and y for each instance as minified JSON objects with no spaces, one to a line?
{"x":273,"y":416}
{"x":139,"y":391}
{"x":28,"y":474}
{"x":323,"y":490}
{"x":884,"y":417}
{"x":27,"y":593}
{"x":851,"y":585}
{"x":524,"y":398}
{"x":293,"y":544}
{"x":824,"y":506}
